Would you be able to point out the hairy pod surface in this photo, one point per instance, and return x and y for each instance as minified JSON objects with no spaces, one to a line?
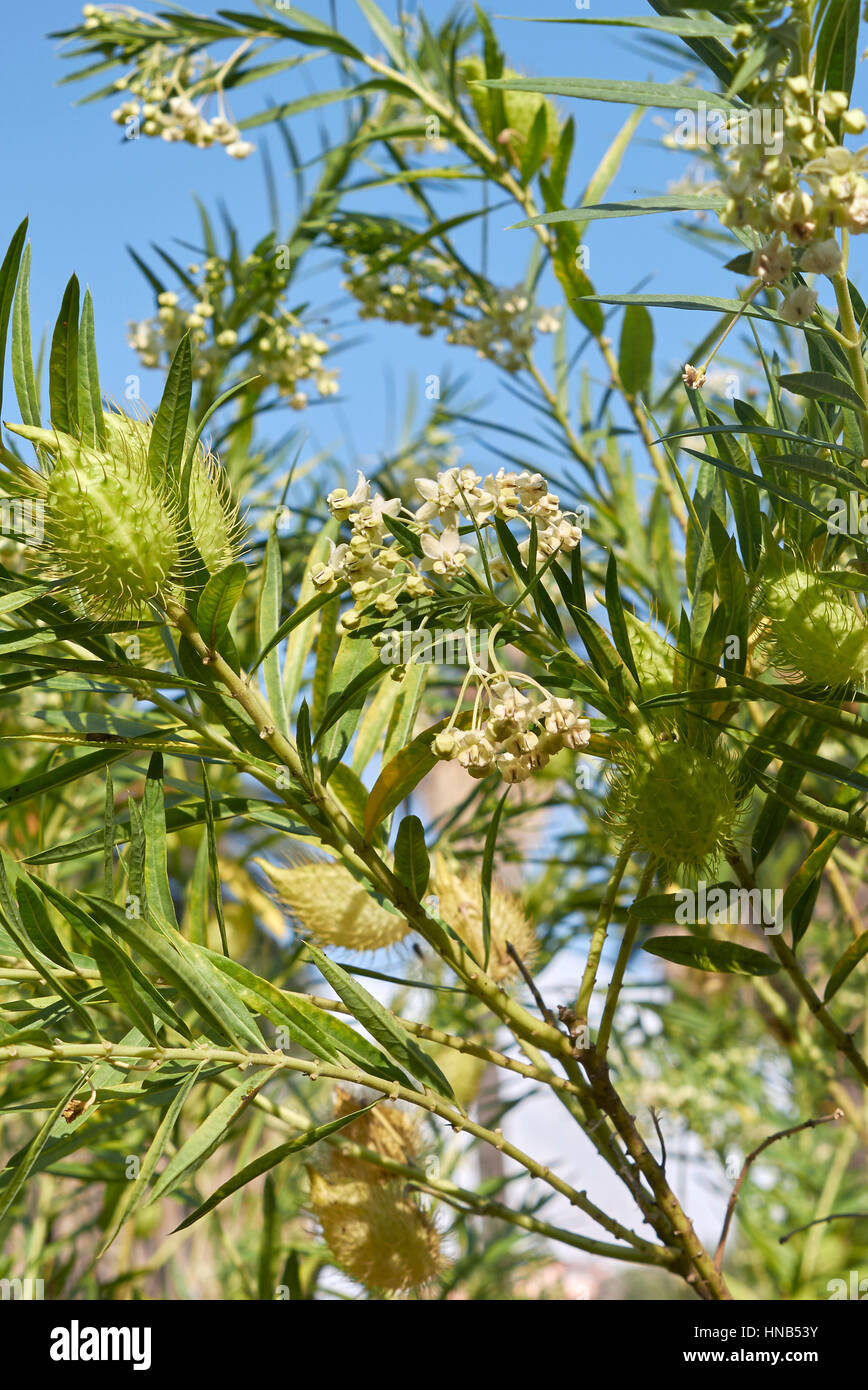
{"x":115,"y":528}
{"x":333,"y":908}
{"x":815,"y":631}
{"x":681,"y":808}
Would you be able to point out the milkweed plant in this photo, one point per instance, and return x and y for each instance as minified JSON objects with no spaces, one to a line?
{"x":350,"y":811}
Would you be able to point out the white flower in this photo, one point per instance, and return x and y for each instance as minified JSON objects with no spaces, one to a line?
{"x":799,"y":306}
{"x":444,"y":554}
{"x":823,"y":258}
{"x":772,"y":262}
{"x":240,"y":149}
{"x":340,"y":502}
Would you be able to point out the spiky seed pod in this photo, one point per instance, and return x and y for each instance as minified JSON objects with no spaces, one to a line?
{"x":333,"y":908}
{"x":814,"y":631}
{"x":107,"y":526}
{"x":681,"y":808}
{"x":376,"y":1232}
{"x":520,"y":110}
{"x":116,"y":529}
{"x":460,"y":896}
{"x":213,"y":515}
{"x":654,"y":657}
{"x":387,"y":1130}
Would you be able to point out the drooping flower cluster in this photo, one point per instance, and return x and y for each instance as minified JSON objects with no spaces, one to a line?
{"x":378,"y":572}
{"x":177,"y":118}
{"x":813,"y":185}
{"x":799,"y":191}
{"x":512,"y":733}
{"x":420,"y":290}
{"x":282,"y":351}
{"x":167,"y":88}
{"x":287,"y":354}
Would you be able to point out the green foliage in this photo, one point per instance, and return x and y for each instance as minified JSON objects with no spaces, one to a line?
{"x":676,"y":608}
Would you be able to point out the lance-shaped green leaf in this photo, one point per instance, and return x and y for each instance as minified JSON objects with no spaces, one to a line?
{"x":63,"y":363}
{"x":8,"y":280}
{"x":208,"y":1137}
{"x":23,"y":375}
{"x":169,"y":433}
{"x":217,"y":603}
{"x":133,"y":1192}
{"x":669,"y":96}
{"x":30,"y":1157}
{"x":187,"y":976}
{"x":412,"y":865}
{"x":316,"y":1030}
{"x":704,"y":953}
{"x":381,"y":1023}
{"x":90,"y":412}
{"x":848,"y":962}
{"x":265,"y":1162}
{"x":150,"y":998}
{"x":157,"y":888}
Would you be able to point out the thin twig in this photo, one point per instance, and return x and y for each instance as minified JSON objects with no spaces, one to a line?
{"x":660,"y":1137}
{"x":528,"y":979}
{"x":772,"y":1139}
{"x":836,"y":1216}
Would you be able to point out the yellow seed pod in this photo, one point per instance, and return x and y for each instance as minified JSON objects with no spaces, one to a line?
{"x":376,"y":1232}
{"x":387,"y":1130}
{"x":460,"y":896}
{"x":463,"y":1072}
{"x":333,"y":908}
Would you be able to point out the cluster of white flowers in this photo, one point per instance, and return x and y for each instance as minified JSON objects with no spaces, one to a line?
{"x":421,"y":291}
{"x":156,"y":339}
{"x":160,"y":90}
{"x":179,"y":118}
{"x":460,"y":491}
{"x":514,"y":734}
{"x":814,"y":184}
{"x":377,"y":573}
{"x":800,"y":194}
{"x":284,"y":352}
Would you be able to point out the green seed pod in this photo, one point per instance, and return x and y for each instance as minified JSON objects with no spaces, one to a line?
{"x":115,"y":528}
{"x":520,"y":110}
{"x":682,"y":808}
{"x":654,"y":658}
{"x":213,"y":516}
{"x":106,"y":525}
{"x":815,"y":631}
